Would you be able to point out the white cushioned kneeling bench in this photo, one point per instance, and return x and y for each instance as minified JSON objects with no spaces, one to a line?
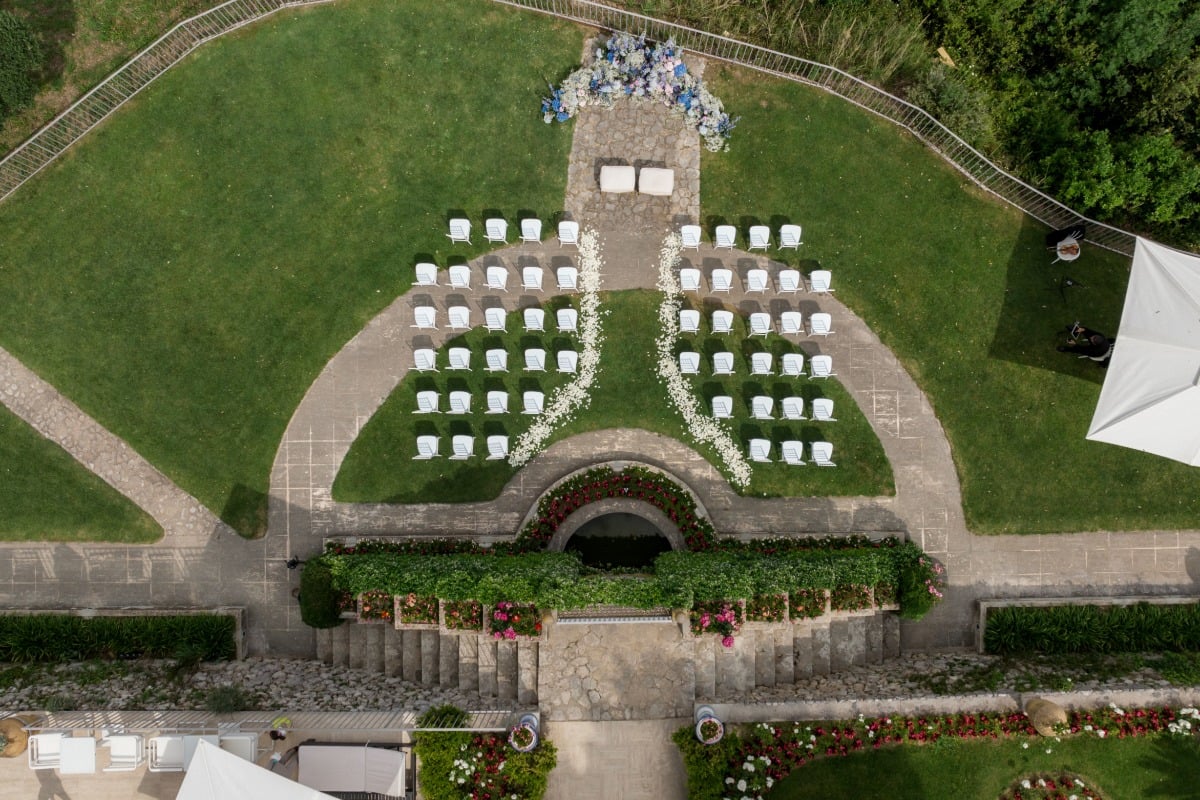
{"x":617,"y":179}
{"x":656,"y":181}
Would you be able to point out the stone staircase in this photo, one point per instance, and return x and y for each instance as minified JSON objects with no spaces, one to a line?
{"x":471,"y":663}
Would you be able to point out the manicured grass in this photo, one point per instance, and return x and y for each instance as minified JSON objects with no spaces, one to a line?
{"x":962,"y":289}
{"x":626,"y":394}
{"x":1159,"y":766}
{"x":47,"y":495}
{"x":186,"y":272}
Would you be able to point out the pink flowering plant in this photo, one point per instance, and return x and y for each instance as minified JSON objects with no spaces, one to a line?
{"x":884,"y":595}
{"x":718,"y":617}
{"x":850,"y":597}
{"x":767,"y":608}
{"x":922,"y":584}
{"x":510,"y":620}
{"x":462,"y":615}
{"x":417,"y":609}
{"x":806,"y":603}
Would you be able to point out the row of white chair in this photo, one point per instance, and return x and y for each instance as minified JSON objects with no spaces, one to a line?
{"x":757,"y":280}
{"x":760,"y":364}
{"x":127,"y":752}
{"x":791,"y":323}
{"x":495,"y":319}
{"x":496,"y":360}
{"x":495,"y":229}
{"x":726,"y":236}
{"x":792,"y":452}
{"x":429,"y":402}
{"x":462,"y":447}
{"x":763,"y":407}
{"x":496,"y":277}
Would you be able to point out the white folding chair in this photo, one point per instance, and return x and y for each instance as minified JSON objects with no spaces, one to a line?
{"x":725,"y":236}
{"x":793,"y":452}
{"x":822,"y":454}
{"x":722,"y":406}
{"x":497,"y":278}
{"x":820,"y":324}
{"x":497,"y":402}
{"x":44,"y":750}
{"x":760,"y":323}
{"x":762,"y":407}
{"x":722,"y":321}
{"x":460,"y":358}
{"x":535,"y":319}
{"x":531,"y":230}
{"x":821,"y":366}
{"x":789,"y":237}
{"x":425,"y":360}
{"x":495,"y":319}
{"x":722,"y":280}
{"x":462,"y":447}
{"x":819,"y":280}
{"x":568,"y":279}
{"x":760,"y":237}
{"x":760,"y":450}
{"x":690,"y":236}
{"x":568,"y":361}
{"x":427,"y":402}
{"x":568,"y":233}
{"x":460,"y":276}
{"x":793,"y":365}
{"x":761,"y":364}
{"x":757,"y":280}
{"x":689,"y":363}
{"x":789,"y":281}
{"x":126,"y":752}
{"x":460,"y":402}
{"x":689,"y":321}
{"x":535,"y":360}
{"x":689,"y":279}
{"x":242,"y":745}
{"x":791,"y":323}
{"x":533,"y":402}
{"x":460,"y":318}
{"x":822,"y":410}
{"x":497,"y":360}
{"x":427,"y":274}
{"x":497,"y":447}
{"x":792,"y":408}
{"x":531,"y":278}
{"x":427,"y":448}
{"x":567,"y":319}
{"x":723,"y":363}
{"x":425,"y":317}
{"x":495,"y":230}
{"x":167,"y":753}
{"x":460,"y":230}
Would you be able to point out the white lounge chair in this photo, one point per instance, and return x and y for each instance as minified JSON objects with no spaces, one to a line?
{"x":126,"y":752}
{"x":760,"y":237}
{"x":725,"y":236}
{"x":819,"y":280}
{"x":762,"y":407}
{"x":495,"y":319}
{"x":792,"y":408}
{"x":496,"y":277}
{"x":497,"y":447}
{"x":532,"y":278}
{"x":495,"y":230}
{"x":166,"y":754}
{"x":689,"y":321}
{"x":760,"y":323}
{"x":460,"y":358}
{"x":426,"y":274}
{"x":760,"y":450}
{"x":761,"y":364}
{"x":460,"y":318}
{"x":689,"y":363}
{"x":462,"y":447}
{"x":757,"y":280}
{"x":722,"y":280}
{"x":822,"y":410}
{"x":460,"y":402}
{"x":822,"y":454}
{"x":689,"y":279}
{"x":568,"y":233}
{"x":793,"y":452}
{"x":793,"y":365}
{"x":567,"y":319}
{"x":535,"y":360}
{"x":722,"y":406}
{"x":460,"y":276}
{"x":44,"y":750}
{"x":531,"y":230}
{"x":723,"y":363}
{"x":789,"y":237}
{"x":497,"y":402}
{"x":425,"y":360}
{"x":568,"y":361}
{"x":460,"y":230}
{"x":722,"y":321}
{"x":427,"y":448}
{"x":427,"y":402}
{"x":568,"y":279}
{"x":535,"y":319}
{"x":689,"y":235}
{"x":425,"y":318}
{"x":820,"y":324}
{"x":533,"y":403}
{"x":242,"y":745}
{"x":790,"y":281}
{"x":791,"y":323}
{"x":496,"y":360}
{"x":822,"y":366}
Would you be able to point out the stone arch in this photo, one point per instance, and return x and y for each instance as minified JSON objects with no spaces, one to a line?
{"x":616,"y":505}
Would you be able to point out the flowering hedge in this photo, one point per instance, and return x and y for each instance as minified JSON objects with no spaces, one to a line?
{"x":510,"y":620}
{"x":850,"y":597}
{"x":717,"y":617}
{"x":767,"y":608}
{"x":628,"y":67}
{"x":465,"y":766}
{"x":417,"y":609}
{"x":463,"y":615}
{"x":375,"y":604}
{"x":1051,"y":786}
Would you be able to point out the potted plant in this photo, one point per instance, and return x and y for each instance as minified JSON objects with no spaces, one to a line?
{"x":709,"y":729}
{"x":523,"y":737}
{"x":13,"y":737}
{"x":376,"y":606}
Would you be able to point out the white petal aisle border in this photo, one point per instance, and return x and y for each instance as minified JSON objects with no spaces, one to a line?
{"x":702,"y":427}
{"x":568,"y":399}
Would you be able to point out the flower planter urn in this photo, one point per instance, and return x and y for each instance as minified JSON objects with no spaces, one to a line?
{"x":709,"y":729}
{"x":524,"y":736}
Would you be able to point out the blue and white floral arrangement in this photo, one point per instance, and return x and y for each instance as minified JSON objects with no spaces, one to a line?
{"x":630,"y":67}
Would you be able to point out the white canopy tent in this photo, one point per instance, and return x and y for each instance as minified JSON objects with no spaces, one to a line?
{"x":1150,"y":400}
{"x":214,"y":774}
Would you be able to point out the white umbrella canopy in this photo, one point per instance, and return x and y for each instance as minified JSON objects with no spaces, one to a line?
{"x":1150,"y":400}
{"x":217,"y":775}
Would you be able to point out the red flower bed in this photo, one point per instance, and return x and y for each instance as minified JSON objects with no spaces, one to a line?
{"x":767,"y":608}
{"x":806,"y":603}
{"x":416,"y":610}
{"x":850,"y":597}
{"x":510,"y":620}
{"x":462,"y":615}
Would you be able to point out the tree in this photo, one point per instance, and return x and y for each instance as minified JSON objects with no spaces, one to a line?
{"x":20,"y":57}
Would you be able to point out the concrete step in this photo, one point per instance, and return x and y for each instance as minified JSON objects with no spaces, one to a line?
{"x":393,"y":655}
{"x":448,"y":661}
{"x":764,"y":658}
{"x":430,"y":656}
{"x":735,"y":665}
{"x":356,"y":645}
{"x":705,"y":660}
{"x":488,"y":686}
{"x":325,"y":645}
{"x":891,"y":635}
{"x":874,"y":652}
{"x":847,"y":643}
{"x":527,"y":672}
{"x":802,"y":650}
{"x":819,"y":655}
{"x":785,"y":665}
{"x":339,"y":645}
{"x":373,"y":647}
{"x":410,"y":655}
{"x":468,"y":663}
{"x":506,"y":670}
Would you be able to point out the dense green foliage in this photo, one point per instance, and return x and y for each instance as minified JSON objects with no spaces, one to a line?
{"x":20,"y":57}
{"x":54,"y":638}
{"x":475,"y":766}
{"x":1138,"y":628}
{"x":318,"y":599}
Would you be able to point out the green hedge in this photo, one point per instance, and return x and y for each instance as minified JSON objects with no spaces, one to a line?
{"x":493,"y":768}
{"x":318,"y":599}
{"x":1139,"y":628}
{"x":56,"y":638}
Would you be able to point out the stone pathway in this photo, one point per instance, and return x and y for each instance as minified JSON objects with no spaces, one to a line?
{"x":616,"y":761}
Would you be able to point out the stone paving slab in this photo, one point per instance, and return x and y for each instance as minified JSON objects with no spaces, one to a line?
{"x":616,"y":760}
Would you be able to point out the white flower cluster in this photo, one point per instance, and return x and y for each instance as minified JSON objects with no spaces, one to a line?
{"x":568,"y":399}
{"x":702,"y":427}
{"x":754,"y":785}
{"x":1183,"y":724}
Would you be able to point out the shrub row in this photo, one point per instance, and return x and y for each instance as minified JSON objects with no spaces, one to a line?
{"x":1140,"y":628}
{"x":56,"y":638}
{"x":462,"y":766}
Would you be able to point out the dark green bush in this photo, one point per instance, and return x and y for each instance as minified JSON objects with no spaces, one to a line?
{"x":1139,"y":628}
{"x":522,"y":776}
{"x":20,"y":58}
{"x":318,"y":598}
{"x":228,"y":699}
{"x":54,"y":638}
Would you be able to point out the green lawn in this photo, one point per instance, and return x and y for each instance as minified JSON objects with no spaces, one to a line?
{"x":626,"y":394}
{"x":186,"y":272}
{"x":47,"y":495}
{"x":1150,"y":767}
{"x":962,"y":289}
